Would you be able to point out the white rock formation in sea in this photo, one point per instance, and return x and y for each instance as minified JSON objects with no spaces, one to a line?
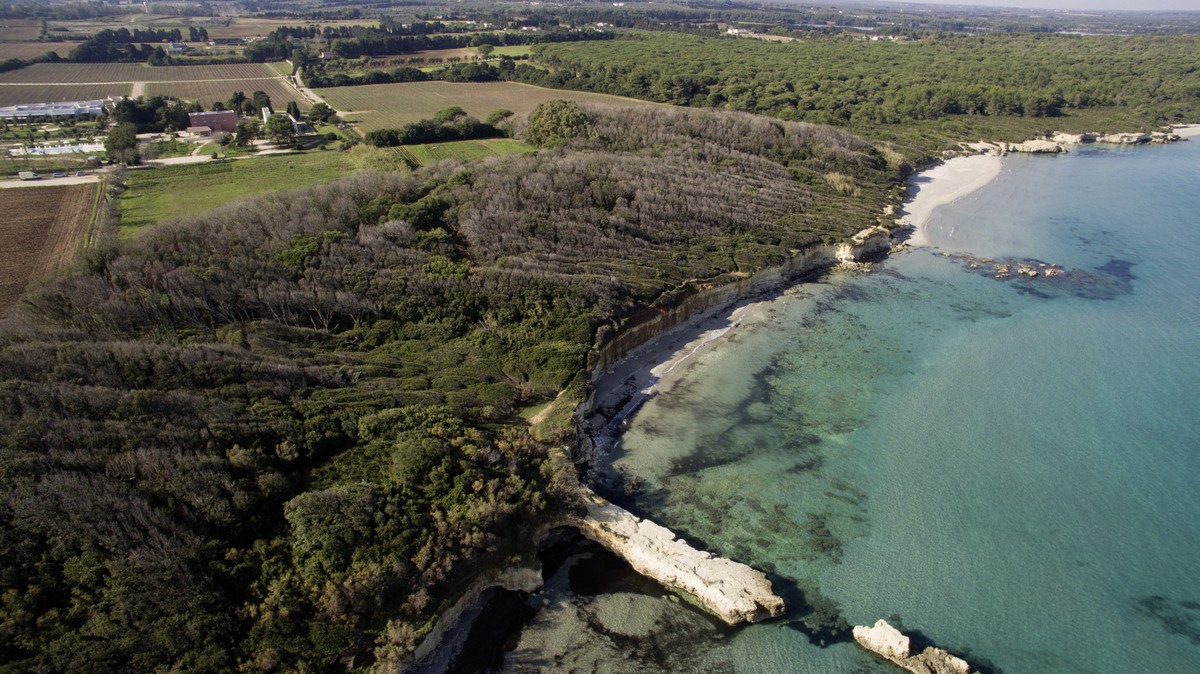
{"x":1039,"y":146}
{"x":733,"y":591}
{"x":869,"y":241}
{"x":883,"y":639}
{"x":1074,"y":138}
{"x":1124,"y":138}
{"x":889,"y":643}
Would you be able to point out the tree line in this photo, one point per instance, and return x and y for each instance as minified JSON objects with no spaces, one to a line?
{"x":863,"y":84}
{"x":367,"y":41}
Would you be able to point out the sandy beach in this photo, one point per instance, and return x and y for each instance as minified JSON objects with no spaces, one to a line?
{"x":622,"y":389}
{"x":1187,"y":131}
{"x":945,"y":184}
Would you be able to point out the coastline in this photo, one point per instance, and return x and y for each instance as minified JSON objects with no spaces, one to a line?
{"x":1187,"y":130}
{"x":620,"y":389}
{"x":944,"y":184}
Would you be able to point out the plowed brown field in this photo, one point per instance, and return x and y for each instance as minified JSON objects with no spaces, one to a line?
{"x":40,"y":232}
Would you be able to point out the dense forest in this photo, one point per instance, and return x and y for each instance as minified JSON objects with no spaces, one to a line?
{"x":864,"y":83}
{"x":281,"y":435}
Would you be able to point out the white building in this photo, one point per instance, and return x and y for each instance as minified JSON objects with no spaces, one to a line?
{"x":60,"y":109}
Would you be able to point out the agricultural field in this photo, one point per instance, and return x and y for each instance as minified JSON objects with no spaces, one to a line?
{"x":514,"y":50}
{"x":84,"y":73}
{"x":42,"y":231}
{"x":155,"y":195}
{"x":131,"y":21}
{"x":235,"y":27}
{"x":390,"y":106}
{"x":206,"y":93}
{"x":15,"y":94}
{"x":28,"y":50}
{"x":427,"y":56}
{"x":19,"y":30}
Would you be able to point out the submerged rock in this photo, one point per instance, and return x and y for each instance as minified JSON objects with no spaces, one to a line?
{"x":888,"y":642}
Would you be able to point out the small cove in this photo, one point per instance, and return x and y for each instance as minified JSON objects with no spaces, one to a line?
{"x":1007,"y":466}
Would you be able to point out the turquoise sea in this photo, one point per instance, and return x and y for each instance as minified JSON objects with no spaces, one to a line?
{"x":1008,"y":467}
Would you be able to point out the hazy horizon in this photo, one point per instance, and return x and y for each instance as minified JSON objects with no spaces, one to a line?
{"x":1124,"y":5}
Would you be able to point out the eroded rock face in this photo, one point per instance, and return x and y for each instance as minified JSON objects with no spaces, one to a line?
{"x":888,"y":642}
{"x":733,"y":591}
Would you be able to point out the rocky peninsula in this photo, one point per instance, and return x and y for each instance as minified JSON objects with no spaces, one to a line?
{"x":734,"y":592}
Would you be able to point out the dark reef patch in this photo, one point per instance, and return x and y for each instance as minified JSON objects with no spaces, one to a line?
{"x":1118,"y":269}
{"x":812,"y":614}
{"x":1181,"y":617}
{"x":1036,"y":278}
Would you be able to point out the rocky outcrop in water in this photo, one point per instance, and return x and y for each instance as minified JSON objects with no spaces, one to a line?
{"x":1055,"y":144}
{"x":1044,"y":279}
{"x":1135,"y":138}
{"x":733,"y":591}
{"x":1033,"y":147}
{"x":889,"y":643}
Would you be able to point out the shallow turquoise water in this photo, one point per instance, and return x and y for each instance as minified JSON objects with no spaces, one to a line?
{"x":1008,"y":466}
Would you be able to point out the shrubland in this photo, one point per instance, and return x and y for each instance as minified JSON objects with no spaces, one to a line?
{"x":281,"y":435}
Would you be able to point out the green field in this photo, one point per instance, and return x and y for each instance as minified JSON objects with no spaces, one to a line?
{"x":515,"y":50}
{"x":159,"y":194}
{"x":390,"y":106}
{"x":282,"y":67}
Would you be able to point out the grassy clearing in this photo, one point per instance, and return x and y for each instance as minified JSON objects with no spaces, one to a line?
{"x":467,"y":149}
{"x":389,"y":106}
{"x":515,"y":50}
{"x":159,"y":194}
{"x":282,"y":68}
